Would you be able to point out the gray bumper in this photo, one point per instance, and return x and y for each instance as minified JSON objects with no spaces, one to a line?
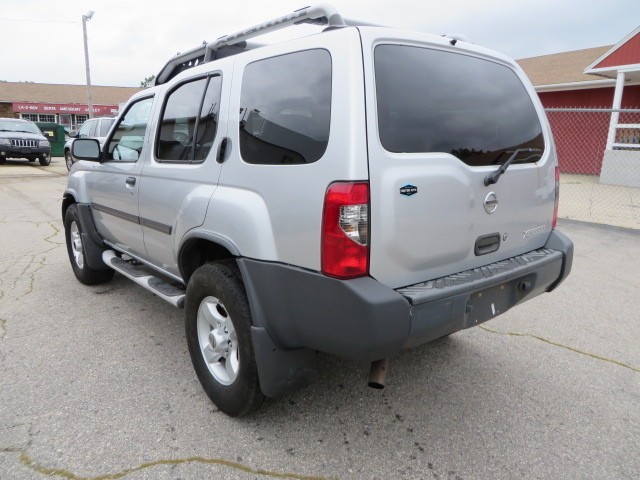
{"x":297,"y":311}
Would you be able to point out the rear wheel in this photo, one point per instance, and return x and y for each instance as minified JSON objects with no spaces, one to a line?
{"x":218,"y":330}
{"x":75,"y":249}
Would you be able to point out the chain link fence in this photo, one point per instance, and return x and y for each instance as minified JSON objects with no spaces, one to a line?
{"x":599,"y":156}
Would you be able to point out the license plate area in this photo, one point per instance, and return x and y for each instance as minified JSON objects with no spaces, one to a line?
{"x":491,"y":302}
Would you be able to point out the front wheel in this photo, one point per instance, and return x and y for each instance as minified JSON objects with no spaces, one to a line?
{"x":68,"y":159}
{"x":218,"y":330}
{"x":44,"y":161}
{"x":75,"y":249}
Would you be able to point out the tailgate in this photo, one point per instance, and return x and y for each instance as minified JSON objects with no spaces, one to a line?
{"x":440,"y":120}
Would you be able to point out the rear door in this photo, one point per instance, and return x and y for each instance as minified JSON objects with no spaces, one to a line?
{"x":183,"y":173}
{"x":440,"y":120}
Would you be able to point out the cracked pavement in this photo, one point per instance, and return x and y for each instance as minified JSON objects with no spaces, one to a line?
{"x":96,"y":382}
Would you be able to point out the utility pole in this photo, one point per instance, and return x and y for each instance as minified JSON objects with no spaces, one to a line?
{"x":86,"y":60}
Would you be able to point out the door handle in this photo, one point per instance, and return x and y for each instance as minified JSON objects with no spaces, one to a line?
{"x":222,"y":150}
{"x":131,"y":181}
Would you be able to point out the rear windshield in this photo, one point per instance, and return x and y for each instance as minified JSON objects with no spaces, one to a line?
{"x":435,"y":101}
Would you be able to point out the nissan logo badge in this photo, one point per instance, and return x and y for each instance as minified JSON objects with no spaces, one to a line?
{"x":490,"y":202}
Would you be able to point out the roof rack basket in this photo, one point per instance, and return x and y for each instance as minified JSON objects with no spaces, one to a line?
{"x":320,"y":14}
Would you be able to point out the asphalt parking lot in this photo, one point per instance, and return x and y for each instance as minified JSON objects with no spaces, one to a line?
{"x":96,"y":382}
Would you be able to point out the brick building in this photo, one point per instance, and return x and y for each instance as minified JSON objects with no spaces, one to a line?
{"x":65,"y":104}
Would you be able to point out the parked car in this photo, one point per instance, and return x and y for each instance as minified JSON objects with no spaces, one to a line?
{"x":23,"y":139}
{"x":97,"y":128}
{"x":355,"y":192}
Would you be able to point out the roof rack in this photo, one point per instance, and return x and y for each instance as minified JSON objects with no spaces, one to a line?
{"x":320,"y":14}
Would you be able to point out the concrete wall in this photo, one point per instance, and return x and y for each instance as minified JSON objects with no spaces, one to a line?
{"x":621,"y":167}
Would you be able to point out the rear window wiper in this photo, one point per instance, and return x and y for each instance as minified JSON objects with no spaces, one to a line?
{"x":493,"y":177}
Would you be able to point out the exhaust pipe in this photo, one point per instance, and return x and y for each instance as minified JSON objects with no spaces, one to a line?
{"x":378,"y":373}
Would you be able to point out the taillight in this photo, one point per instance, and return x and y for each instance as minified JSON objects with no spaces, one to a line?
{"x":345,"y":230}
{"x":557,"y":199}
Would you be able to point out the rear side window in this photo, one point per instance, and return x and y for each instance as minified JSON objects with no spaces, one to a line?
{"x":435,"y":101}
{"x":285,"y":109}
{"x":189,"y":121}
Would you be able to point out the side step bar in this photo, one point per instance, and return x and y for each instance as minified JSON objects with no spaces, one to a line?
{"x":139,"y":274}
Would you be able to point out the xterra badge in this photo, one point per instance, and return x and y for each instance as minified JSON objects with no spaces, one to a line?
{"x":408,"y":190}
{"x":533,"y":231}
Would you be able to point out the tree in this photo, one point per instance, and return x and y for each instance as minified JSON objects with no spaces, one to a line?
{"x":146,"y":83}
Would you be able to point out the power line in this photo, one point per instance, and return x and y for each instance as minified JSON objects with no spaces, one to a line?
{"x":34,"y":21}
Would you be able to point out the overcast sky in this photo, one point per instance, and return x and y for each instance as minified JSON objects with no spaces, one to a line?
{"x":41,"y":40}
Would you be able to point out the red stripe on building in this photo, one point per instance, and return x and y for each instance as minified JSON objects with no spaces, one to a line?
{"x":58,"y":108}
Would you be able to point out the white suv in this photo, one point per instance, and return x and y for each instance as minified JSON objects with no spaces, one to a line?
{"x":354,"y":192}
{"x":97,"y":128}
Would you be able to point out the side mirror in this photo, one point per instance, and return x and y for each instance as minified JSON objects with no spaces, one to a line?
{"x":86,"y":149}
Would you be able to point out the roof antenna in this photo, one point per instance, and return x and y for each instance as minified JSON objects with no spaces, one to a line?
{"x":456,"y":37}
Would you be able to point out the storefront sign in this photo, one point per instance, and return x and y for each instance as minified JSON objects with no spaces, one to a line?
{"x":56,"y":108}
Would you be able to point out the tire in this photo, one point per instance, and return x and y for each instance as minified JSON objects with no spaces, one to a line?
{"x":2,"y":160}
{"x":218,"y":330}
{"x":31,"y":159}
{"x":68,"y":159}
{"x":45,"y":161}
{"x":75,"y":249}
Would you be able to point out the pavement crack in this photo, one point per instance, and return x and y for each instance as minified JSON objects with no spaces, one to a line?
{"x":31,"y":276}
{"x":28,"y":274}
{"x":56,"y":231}
{"x":3,"y":328}
{"x":566,"y":347}
{"x":28,"y":462}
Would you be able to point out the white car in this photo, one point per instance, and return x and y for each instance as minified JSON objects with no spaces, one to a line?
{"x":97,"y":128}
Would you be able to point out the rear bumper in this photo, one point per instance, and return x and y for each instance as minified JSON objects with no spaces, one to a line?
{"x":362,"y":319}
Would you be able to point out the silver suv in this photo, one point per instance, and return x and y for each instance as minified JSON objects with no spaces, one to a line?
{"x":97,"y":128}
{"x":354,"y":192}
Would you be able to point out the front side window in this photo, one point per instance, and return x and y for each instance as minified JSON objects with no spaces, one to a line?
{"x":435,"y":101}
{"x":285,"y":109}
{"x":93,"y":132}
{"x":84,"y":129}
{"x":189,"y":121}
{"x":128,"y":137}
{"x":105,"y":125}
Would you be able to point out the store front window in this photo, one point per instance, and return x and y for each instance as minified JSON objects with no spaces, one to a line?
{"x":38,"y":117}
